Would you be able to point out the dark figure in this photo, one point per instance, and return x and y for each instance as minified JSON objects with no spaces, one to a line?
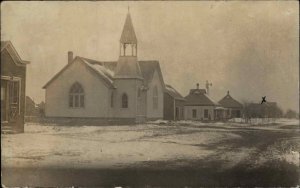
{"x":263,"y":100}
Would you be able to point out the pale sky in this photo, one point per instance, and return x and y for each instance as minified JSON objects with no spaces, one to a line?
{"x":249,"y":48}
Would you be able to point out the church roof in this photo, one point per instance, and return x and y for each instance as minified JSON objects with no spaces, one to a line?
{"x":148,"y":68}
{"x":99,"y":68}
{"x":173,"y":92}
{"x":229,"y":102}
{"x":197,"y":97}
{"x":106,"y":70}
{"x":128,"y":34}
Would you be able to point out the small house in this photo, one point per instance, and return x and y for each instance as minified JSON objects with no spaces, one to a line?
{"x":233,"y":108}
{"x":199,"y":106}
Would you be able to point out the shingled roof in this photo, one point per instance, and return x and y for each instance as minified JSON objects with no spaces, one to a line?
{"x":128,"y":35}
{"x":173,"y":92}
{"x":197,"y":97}
{"x":229,"y":102}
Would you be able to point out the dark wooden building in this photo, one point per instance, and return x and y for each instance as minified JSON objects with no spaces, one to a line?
{"x":233,"y":108}
{"x":173,"y":104}
{"x":13,"y":83}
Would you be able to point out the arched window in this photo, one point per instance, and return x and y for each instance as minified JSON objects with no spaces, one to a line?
{"x":155,"y":97}
{"x":124,"y":101}
{"x":76,"y":96}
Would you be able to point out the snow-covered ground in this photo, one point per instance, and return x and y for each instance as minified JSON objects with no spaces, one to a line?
{"x":178,"y":143}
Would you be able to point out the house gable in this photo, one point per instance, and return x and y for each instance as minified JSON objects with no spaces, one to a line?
{"x":6,"y":46}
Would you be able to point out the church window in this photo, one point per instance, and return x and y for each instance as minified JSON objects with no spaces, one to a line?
{"x":155,"y":97}
{"x":76,"y":96}
{"x":124,"y":101}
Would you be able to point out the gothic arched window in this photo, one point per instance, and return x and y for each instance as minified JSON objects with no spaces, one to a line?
{"x":155,"y":97}
{"x":124,"y":101}
{"x":76,"y":96}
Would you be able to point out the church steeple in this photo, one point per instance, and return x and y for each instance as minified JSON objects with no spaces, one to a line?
{"x":128,"y":40}
{"x":128,"y":66}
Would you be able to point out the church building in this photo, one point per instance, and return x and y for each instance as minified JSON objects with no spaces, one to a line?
{"x":126,"y":90}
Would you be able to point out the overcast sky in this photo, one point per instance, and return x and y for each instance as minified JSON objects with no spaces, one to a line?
{"x":249,"y":48}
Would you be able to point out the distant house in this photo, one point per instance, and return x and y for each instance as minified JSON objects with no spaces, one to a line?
{"x":13,"y":79}
{"x":173,"y":104}
{"x":126,"y":90}
{"x":233,"y":108}
{"x":199,"y":106}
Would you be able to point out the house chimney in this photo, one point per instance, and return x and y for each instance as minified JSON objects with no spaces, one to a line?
{"x":70,"y":57}
{"x":197,"y":85}
{"x":227,"y":92}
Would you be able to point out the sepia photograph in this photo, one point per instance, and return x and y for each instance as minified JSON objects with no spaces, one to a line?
{"x":150,"y":94}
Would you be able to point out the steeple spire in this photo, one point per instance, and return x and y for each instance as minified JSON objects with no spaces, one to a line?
{"x":128,"y":66}
{"x":128,"y":35}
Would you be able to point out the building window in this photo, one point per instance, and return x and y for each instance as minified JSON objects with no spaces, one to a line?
{"x":205,"y":113}
{"x":112,"y":99}
{"x":124,"y":101}
{"x":155,"y":98}
{"x":76,"y":96}
{"x":194,"y":113}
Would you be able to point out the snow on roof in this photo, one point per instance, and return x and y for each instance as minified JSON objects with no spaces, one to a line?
{"x":106,"y":73}
{"x":106,"y":69}
{"x":171,"y":91}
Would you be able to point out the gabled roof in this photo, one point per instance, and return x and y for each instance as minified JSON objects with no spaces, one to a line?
{"x":173,"y":92}
{"x":13,"y":53}
{"x":199,"y":98}
{"x":95,"y":66}
{"x":229,"y":102}
{"x":148,"y":69}
{"x":128,"y":34}
{"x":106,"y":70}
